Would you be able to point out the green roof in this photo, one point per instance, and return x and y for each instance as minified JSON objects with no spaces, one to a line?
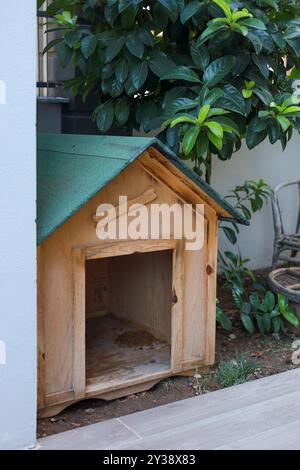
{"x":73,"y":168}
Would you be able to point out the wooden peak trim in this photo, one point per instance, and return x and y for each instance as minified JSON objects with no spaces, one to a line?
{"x":147,"y":196}
{"x":163,"y":169}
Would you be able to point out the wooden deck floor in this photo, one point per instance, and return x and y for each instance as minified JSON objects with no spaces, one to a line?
{"x":262,"y":414}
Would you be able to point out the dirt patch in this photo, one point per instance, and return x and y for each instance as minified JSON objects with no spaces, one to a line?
{"x":135,"y":339}
{"x":273,"y":354}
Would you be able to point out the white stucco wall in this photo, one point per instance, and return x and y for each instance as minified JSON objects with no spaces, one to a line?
{"x":17,"y":235}
{"x":270,"y":163}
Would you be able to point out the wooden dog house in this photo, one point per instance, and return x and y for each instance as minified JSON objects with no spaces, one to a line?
{"x":115,"y":317}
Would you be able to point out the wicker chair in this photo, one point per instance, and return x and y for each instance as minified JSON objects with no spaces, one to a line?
{"x":284,"y":241}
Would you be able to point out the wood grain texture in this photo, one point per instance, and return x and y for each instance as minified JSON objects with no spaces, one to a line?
{"x":79,"y":322}
{"x":40,"y":330}
{"x":141,"y":290}
{"x":110,"y":364}
{"x":65,"y":302}
{"x":177,"y":307}
{"x":210,"y":330}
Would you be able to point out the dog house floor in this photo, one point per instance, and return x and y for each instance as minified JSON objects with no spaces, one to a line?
{"x":119,"y":351}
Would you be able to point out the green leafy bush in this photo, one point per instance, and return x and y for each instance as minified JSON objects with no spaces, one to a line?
{"x":150,"y":62}
{"x":266,"y":311}
{"x":236,"y":371}
{"x":259,"y":308}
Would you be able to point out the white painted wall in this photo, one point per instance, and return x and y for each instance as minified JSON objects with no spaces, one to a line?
{"x":17,"y":235}
{"x":270,"y":163}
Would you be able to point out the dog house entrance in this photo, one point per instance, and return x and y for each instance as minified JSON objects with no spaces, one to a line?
{"x":128,"y":317}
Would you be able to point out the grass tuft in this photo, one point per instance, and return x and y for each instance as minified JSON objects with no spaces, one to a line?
{"x":236,"y":371}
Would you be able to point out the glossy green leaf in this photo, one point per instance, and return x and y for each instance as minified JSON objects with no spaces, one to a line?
{"x":181,"y":72}
{"x":183,"y":119}
{"x":211,"y":96}
{"x":215,"y":112}
{"x":269,"y":301}
{"x":284,"y":123}
{"x":180,"y":104}
{"x":105,"y":116}
{"x":171,"y":8}
{"x":122,"y":69}
{"x":211,"y":30}
{"x":202,"y":145}
{"x":189,"y":10}
{"x":203,"y":112}
{"x":255,"y":41}
{"x":121,"y":110}
{"x":215,"y":128}
{"x":292,"y":32}
{"x":247,"y":93}
{"x":72,"y":38}
{"x":292,"y":110}
{"x":115,"y":89}
{"x":64,"y":54}
{"x":248,"y":323}
{"x":114,"y":48}
{"x":230,"y":234}
{"x":260,"y":324}
{"x":224,"y":320}
{"x":267,"y":322}
{"x":88,"y":45}
{"x":217,"y":70}
{"x":254,"y":301}
{"x":276,"y":324}
{"x":282,"y":302}
{"x":135,"y":46}
{"x":139,"y":75}
{"x":189,"y":140}
{"x":53,"y":43}
{"x":290,"y":316}
{"x":261,"y":64}
{"x":200,"y":56}
{"x":161,"y":66}
{"x":124,"y":4}
{"x":225,"y":6}
{"x":216,"y":141}
{"x":254,"y":23}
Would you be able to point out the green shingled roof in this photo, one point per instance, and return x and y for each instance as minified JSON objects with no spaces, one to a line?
{"x":73,"y":168}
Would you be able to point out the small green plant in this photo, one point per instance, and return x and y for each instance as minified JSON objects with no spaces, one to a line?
{"x":266,"y":311}
{"x":223,"y":318}
{"x":234,"y":20}
{"x":249,"y":198}
{"x":235,"y":271}
{"x":235,"y":371}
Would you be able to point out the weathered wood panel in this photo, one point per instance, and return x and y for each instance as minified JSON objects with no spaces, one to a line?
{"x":58,"y":284}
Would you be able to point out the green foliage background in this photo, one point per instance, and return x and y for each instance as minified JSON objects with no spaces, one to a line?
{"x":148,"y":62}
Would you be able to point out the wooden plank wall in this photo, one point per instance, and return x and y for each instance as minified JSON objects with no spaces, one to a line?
{"x":57,"y":276}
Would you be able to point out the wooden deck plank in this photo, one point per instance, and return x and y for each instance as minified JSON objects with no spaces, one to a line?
{"x":183,"y":412}
{"x":93,"y":437}
{"x":261,"y":414}
{"x":285,"y":437}
{"x":225,"y":428}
